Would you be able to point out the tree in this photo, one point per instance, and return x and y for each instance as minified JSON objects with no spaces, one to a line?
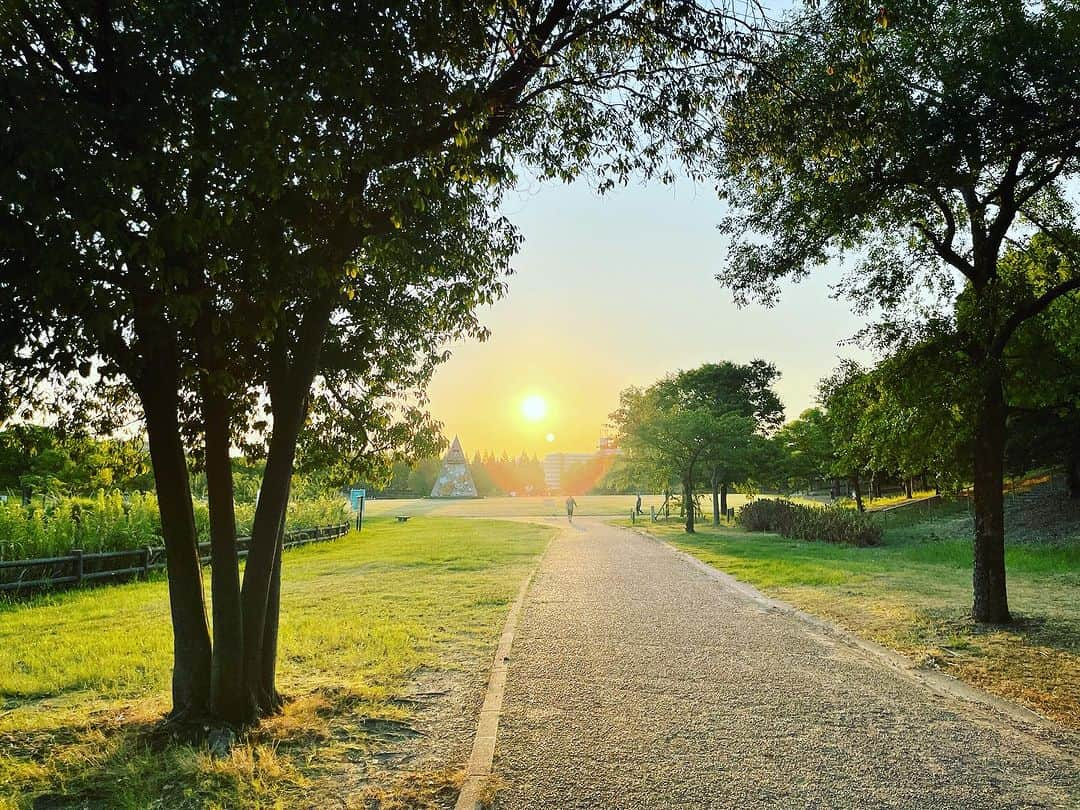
{"x":668,"y":439}
{"x":747,"y":410}
{"x":807,"y":448}
{"x":423,"y":476}
{"x":240,"y":207}
{"x":923,"y":138}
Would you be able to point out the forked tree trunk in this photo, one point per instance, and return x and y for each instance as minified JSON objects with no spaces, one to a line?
{"x":723,"y":498}
{"x":907,"y":489}
{"x":157,"y":389}
{"x":289,"y":389}
{"x":272,"y":700}
{"x":229,"y":700}
{"x":856,"y":487}
{"x":991,"y":604}
{"x":262,"y":574}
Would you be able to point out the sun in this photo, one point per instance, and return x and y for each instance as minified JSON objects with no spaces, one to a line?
{"x":534,"y":408}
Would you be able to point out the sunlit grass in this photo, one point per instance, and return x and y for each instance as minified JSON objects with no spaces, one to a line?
{"x":84,"y":675}
{"x":913,"y":593}
{"x":526,"y":506}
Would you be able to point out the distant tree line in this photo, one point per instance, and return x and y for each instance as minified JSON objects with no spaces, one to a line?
{"x":493,"y":475}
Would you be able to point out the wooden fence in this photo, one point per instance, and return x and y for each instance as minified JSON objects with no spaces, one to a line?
{"x":78,"y":568}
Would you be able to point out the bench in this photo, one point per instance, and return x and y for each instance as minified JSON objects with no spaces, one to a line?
{"x":402,"y":518}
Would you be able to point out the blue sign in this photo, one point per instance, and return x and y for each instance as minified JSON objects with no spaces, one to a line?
{"x":357,"y":498}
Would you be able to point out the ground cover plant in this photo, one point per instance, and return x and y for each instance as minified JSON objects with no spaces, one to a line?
{"x":114,"y":522}
{"x":829,"y":524}
{"x":910,"y":594}
{"x":84,"y":676}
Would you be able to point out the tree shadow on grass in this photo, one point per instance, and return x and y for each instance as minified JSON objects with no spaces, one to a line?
{"x":123,"y":758}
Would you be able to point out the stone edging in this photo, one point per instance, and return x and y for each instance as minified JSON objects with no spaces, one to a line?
{"x":937,"y":682}
{"x":478,"y":769}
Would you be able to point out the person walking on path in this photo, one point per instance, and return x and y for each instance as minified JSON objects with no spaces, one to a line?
{"x":637,"y":506}
{"x":570,"y":504}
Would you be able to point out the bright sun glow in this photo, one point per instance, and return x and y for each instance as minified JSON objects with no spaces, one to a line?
{"x":550,"y":437}
{"x":534,"y":408}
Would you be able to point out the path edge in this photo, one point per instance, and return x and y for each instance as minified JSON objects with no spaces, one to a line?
{"x":937,"y":682}
{"x":479,"y":767}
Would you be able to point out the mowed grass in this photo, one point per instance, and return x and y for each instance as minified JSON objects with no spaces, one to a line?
{"x":84,"y":675}
{"x":913,"y":594}
{"x":525,"y":506}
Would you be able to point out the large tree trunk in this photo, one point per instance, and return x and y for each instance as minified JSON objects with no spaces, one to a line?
{"x":688,"y":500}
{"x":907,"y":489}
{"x":157,"y":389}
{"x":229,"y":700}
{"x":991,"y":602}
{"x":723,"y":498}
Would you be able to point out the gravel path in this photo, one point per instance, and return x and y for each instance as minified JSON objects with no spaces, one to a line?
{"x":636,"y":681}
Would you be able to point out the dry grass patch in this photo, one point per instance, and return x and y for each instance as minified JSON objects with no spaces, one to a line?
{"x":81,"y":709}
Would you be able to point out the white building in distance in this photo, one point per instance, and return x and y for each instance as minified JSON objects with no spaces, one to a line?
{"x":556,"y":464}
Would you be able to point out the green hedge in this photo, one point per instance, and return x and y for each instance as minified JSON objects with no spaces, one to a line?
{"x":830,"y":524}
{"x":115,"y":522}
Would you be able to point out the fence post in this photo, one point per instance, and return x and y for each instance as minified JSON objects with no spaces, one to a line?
{"x":146,"y":563}
{"x":77,"y":554}
{"x":633,"y":516}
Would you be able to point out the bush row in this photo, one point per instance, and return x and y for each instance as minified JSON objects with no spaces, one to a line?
{"x":114,"y":522}
{"x":830,"y":524}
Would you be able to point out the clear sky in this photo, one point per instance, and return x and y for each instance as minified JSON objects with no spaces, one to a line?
{"x":615,"y":291}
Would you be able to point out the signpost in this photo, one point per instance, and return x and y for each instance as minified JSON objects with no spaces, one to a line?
{"x":356,"y":501}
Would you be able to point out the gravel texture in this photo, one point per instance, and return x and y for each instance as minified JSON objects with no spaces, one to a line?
{"x":636,"y":681}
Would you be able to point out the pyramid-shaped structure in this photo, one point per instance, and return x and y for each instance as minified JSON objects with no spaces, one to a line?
{"x":455,"y":480}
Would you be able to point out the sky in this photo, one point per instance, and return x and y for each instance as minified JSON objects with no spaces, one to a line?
{"x":617,"y":290}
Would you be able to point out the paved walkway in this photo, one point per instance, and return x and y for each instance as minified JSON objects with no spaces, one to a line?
{"x":636,"y":681}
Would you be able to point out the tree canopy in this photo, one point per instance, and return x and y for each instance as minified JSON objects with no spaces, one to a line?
{"x":920,"y":140}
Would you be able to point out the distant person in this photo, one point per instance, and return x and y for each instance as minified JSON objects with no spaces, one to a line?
{"x":570,"y":504}
{"x":637,"y":506}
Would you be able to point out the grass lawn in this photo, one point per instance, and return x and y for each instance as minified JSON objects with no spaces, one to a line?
{"x":84,"y":675}
{"x":525,"y":506}
{"x":913,"y":594}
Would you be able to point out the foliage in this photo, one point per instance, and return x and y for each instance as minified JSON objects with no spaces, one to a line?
{"x":747,"y":410}
{"x":806,"y":445}
{"x":271,"y":224}
{"x":111,"y":521}
{"x":830,"y":524}
{"x":34,"y":458}
{"x":502,"y":475}
{"x":922,"y":139}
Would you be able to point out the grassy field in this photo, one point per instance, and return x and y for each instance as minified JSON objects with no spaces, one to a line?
{"x":533,"y":506}
{"x":84,"y":674}
{"x":913,"y":594}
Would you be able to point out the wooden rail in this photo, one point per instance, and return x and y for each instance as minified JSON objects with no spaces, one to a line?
{"x":79,"y":567}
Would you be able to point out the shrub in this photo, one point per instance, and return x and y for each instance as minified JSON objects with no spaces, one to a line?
{"x":830,"y":524}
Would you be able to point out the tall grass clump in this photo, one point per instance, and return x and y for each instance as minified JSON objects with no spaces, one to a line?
{"x":105,"y":522}
{"x":111,"y":521}
{"x":829,"y":524}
